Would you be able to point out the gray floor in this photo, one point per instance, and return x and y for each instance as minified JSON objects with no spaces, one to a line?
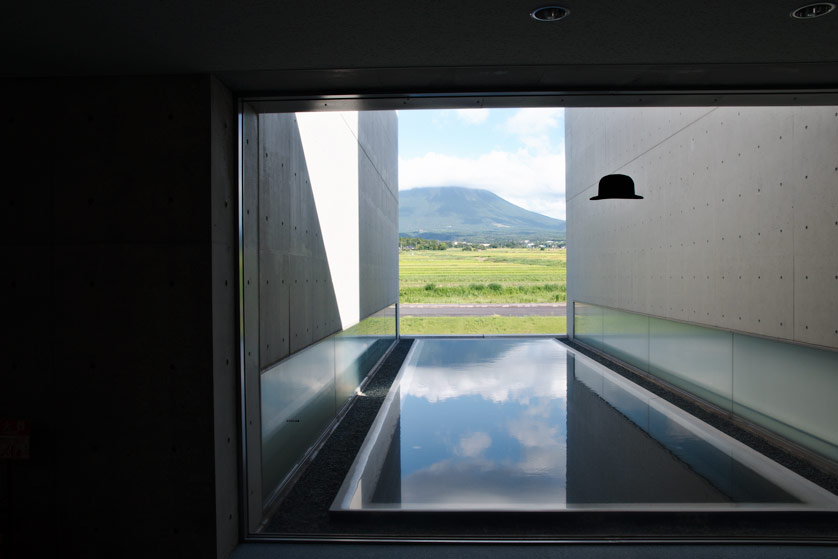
{"x":536,"y":551}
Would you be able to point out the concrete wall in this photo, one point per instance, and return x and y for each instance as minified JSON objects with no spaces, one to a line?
{"x":327,"y":215}
{"x":732,"y":248}
{"x":378,"y":165}
{"x":226,"y":373}
{"x":297,"y":304}
{"x":320,"y":234}
{"x":739,"y":223}
{"x":118,"y":232}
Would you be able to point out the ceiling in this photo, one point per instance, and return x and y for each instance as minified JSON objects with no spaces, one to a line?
{"x":364,"y":46}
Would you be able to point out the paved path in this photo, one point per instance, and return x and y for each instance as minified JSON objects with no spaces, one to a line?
{"x":512,"y":309}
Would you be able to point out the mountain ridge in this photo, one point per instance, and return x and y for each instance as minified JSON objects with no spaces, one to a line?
{"x":449,"y":213}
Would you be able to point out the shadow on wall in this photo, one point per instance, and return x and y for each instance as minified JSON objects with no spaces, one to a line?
{"x":297,"y":301}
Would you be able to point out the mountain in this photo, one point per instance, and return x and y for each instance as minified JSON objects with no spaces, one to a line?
{"x":450,"y":213}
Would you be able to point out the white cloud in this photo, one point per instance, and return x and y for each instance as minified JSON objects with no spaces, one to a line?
{"x":528,"y":122}
{"x":534,"y":431}
{"x":480,"y":484}
{"x":473,"y":116}
{"x":540,"y":372}
{"x":533,"y":181}
{"x":537,"y":475}
{"x":533,"y":126}
{"x":473,"y":445}
{"x":545,"y":447}
{"x":532,"y":177}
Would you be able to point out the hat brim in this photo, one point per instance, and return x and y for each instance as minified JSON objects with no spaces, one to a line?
{"x":627,"y":197}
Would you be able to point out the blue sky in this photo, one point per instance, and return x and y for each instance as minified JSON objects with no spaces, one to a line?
{"x":516,"y":153}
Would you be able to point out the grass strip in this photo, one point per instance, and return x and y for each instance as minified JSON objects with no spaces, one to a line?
{"x":426,"y":325}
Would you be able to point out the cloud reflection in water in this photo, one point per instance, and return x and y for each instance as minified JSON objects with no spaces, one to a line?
{"x":491,"y":430}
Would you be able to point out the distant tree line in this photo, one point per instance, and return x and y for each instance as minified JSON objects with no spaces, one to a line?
{"x":415,"y":243}
{"x":418,"y":243}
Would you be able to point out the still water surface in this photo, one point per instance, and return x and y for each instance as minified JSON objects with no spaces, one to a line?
{"x":511,"y":424}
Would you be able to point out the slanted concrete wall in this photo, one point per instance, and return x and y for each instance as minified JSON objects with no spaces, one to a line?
{"x":297,"y":302}
{"x":327,"y":214}
{"x":117,"y":229}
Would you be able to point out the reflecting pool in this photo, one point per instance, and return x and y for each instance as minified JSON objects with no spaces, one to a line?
{"x":528,"y":424}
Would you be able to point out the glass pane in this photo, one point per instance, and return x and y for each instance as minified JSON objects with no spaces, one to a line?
{"x":790,"y":389}
{"x":298,"y":402}
{"x":626,"y":336}
{"x":694,"y":358}
{"x":359,"y":348}
{"x":588,"y":324}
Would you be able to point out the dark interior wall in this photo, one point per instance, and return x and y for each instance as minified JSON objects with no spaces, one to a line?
{"x":225,"y":378}
{"x":117,"y":224}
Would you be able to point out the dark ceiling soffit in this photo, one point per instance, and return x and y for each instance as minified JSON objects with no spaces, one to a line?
{"x":381,"y":102}
{"x":585,"y":85}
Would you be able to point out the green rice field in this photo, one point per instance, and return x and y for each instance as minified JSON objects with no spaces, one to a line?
{"x":484,"y":276}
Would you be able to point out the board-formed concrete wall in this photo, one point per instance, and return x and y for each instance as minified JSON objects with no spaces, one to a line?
{"x":739,"y":223}
{"x":320,"y":204}
{"x":723,"y":280}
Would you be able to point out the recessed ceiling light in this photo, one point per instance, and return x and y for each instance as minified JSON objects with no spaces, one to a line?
{"x":813,"y":10}
{"x":549,"y":13}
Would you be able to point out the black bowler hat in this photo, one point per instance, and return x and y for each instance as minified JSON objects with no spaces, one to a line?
{"x":616,"y":186}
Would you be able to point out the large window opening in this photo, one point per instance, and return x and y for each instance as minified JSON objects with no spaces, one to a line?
{"x":482,"y":221}
{"x":693,"y":394}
